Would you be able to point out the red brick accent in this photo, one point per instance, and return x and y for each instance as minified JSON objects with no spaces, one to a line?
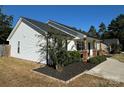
{"x":94,"y":52}
{"x":100,"y":52}
{"x":85,"y":55}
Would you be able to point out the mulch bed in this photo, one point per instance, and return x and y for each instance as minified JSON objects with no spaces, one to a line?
{"x":68,"y":72}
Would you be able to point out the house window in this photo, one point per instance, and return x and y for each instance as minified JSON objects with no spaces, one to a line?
{"x":80,"y":45}
{"x":18,"y":50}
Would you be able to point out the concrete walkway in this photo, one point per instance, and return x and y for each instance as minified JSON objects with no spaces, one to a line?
{"x":110,"y":69}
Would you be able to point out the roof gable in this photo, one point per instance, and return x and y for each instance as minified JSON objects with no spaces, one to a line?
{"x":40,"y":27}
{"x":45,"y":27}
{"x":39,"y":30}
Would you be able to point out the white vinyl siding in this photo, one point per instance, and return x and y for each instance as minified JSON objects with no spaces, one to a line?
{"x":28,"y":44}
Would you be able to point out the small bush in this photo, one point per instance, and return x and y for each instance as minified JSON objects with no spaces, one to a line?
{"x":97,"y":59}
{"x":73,"y":56}
{"x":63,"y":57}
{"x":94,"y":60}
{"x":101,"y":58}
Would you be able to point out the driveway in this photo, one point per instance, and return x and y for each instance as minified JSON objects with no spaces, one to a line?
{"x":110,"y":69}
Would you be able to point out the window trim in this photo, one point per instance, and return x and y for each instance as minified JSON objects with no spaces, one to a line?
{"x":79,"y":45}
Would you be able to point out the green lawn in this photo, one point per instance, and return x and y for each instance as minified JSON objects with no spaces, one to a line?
{"x":119,"y":57}
{"x":18,"y":73}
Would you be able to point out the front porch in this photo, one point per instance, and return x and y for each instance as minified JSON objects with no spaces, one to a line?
{"x":89,"y":47}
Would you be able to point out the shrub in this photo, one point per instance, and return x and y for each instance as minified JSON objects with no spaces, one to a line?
{"x":93,"y":60}
{"x":97,"y":59}
{"x":101,"y":58}
{"x":73,"y":56}
{"x":62,"y":56}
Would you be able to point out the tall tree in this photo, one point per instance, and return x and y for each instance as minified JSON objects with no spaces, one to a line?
{"x":102,"y":30}
{"x":116,"y":28}
{"x":92,"y":32}
{"x":5,"y":26}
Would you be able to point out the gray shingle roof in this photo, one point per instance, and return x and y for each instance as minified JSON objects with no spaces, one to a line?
{"x":51,"y":27}
{"x":46,"y":27}
{"x":69,"y":29}
{"x":66,"y":28}
{"x":72,"y":28}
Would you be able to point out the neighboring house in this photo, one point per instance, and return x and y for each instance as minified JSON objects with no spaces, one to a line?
{"x":110,"y":42}
{"x":24,"y":39}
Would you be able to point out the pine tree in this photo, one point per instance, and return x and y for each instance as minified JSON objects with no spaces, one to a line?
{"x":92,"y":32}
{"x":102,"y":30}
{"x":5,"y":26}
{"x":116,"y":28}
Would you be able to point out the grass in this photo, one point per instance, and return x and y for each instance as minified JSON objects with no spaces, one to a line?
{"x":18,"y":73}
{"x":119,"y":57}
{"x":93,"y":81}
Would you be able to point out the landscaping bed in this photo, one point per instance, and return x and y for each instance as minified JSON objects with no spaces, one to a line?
{"x":68,"y":72}
{"x":72,"y":69}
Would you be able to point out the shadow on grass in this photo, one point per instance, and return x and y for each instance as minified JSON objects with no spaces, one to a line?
{"x":68,"y":72}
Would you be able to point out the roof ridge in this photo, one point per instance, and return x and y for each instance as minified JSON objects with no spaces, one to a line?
{"x":70,"y":27}
{"x":33,"y":20}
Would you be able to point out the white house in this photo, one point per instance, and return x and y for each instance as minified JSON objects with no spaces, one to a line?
{"x":24,"y":39}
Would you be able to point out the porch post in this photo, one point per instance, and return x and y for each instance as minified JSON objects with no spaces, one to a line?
{"x":94,"y":48}
{"x":85,"y":52}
